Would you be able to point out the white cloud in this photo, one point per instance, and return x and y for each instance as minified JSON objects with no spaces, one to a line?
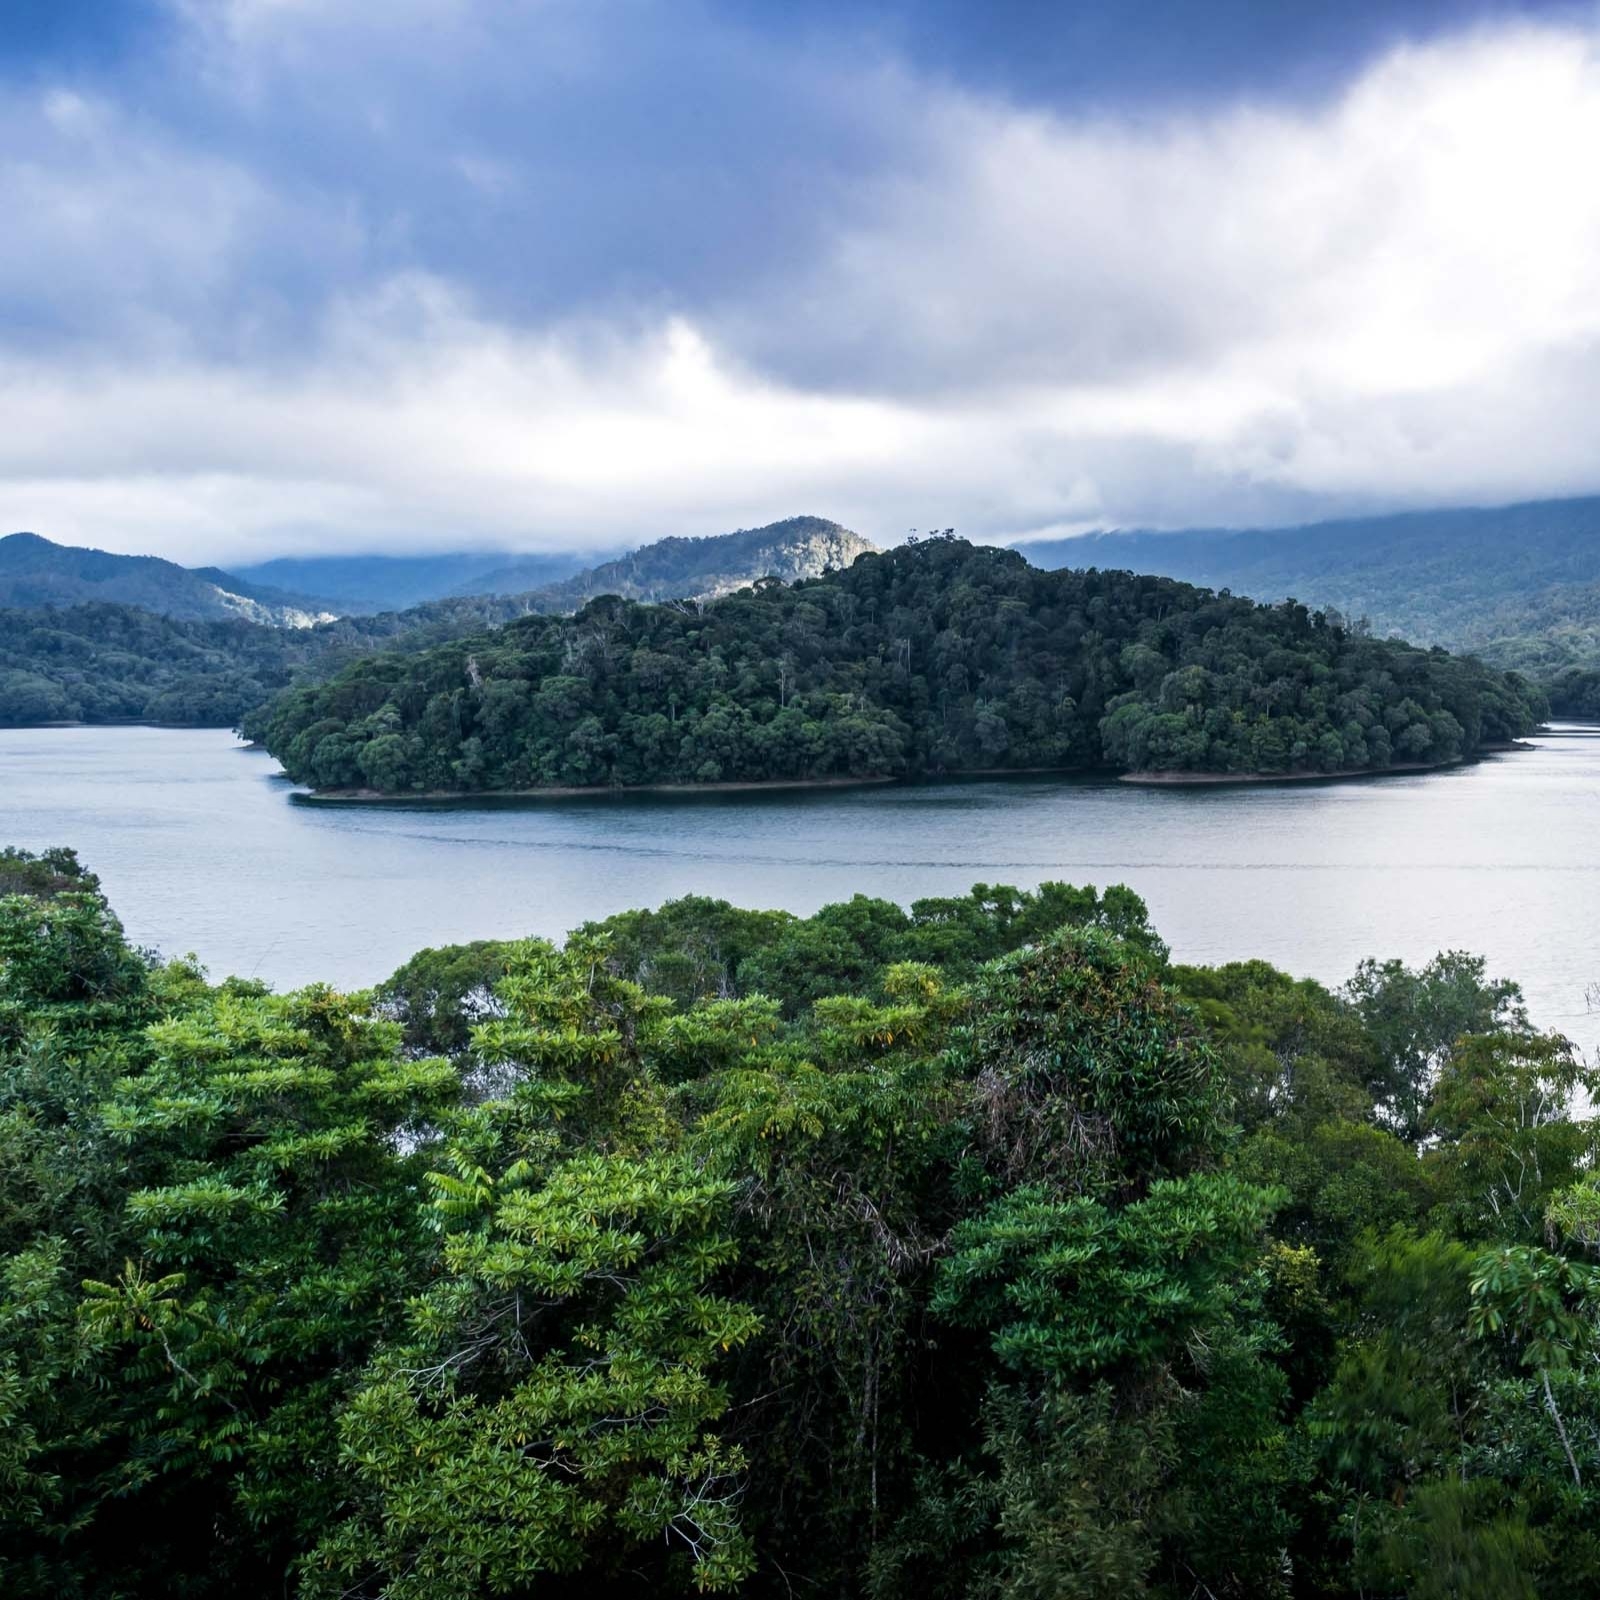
{"x":1030,"y":322}
{"x":419,"y":424}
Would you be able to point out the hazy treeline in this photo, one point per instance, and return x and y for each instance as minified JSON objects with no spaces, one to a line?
{"x":118,"y":663}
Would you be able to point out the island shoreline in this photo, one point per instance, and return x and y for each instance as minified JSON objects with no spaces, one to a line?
{"x":1154,"y":780}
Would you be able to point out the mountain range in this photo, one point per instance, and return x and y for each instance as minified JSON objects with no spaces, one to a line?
{"x":36,"y":573}
{"x":92,"y":637}
{"x":364,"y":584}
{"x":1519,"y":584}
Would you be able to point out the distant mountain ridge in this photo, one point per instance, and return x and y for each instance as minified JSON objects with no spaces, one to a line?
{"x":1461,"y":578}
{"x":157,"y":642}
{"x":667,"y":569}
{"x":364,"y":584}
{"x":36,"y":573}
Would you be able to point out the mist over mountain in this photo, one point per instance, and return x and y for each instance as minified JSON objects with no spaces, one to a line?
{"x":364,"y":584}
{"x":519,"y":575}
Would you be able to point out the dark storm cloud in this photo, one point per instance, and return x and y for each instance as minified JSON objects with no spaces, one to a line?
{"x":542,"y":271}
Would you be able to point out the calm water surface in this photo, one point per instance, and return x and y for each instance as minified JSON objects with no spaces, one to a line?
{"x":202,"y":849}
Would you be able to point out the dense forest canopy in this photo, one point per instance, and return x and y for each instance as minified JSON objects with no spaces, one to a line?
{"x":934,"y":657}
{"x":970,"y":1252}
{"x":119,"y":663}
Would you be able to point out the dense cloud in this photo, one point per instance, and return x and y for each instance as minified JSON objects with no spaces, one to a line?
{"x":308,"y":271}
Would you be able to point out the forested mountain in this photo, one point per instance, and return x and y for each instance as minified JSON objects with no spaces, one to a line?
{"x":674,"y":569}
{"x":1519,"y":585}
{"x":1456,"y":578}
{"x":35,"y":574}
{"x":99,"y":662}
{"x":965,"y":1252}
{"x":933,"y":657}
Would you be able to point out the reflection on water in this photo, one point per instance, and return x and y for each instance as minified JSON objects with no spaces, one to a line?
{"x":202,"y":848}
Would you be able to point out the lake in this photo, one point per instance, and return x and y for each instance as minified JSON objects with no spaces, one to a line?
{"x":202,"y":848}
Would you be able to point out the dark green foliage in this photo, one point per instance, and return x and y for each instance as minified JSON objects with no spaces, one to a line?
{"x":964,"y":1253}
{"x":935,"y":657}
{"x":1575,"y":691}
{"x":1516,"y":585}
{"x":439,"y":996}
{"x":101,"y":662}
{"x":1088,"y":1073}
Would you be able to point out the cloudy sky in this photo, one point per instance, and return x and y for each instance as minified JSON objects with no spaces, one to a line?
{"x":330,"y":275}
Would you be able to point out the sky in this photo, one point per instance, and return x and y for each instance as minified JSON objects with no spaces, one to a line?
{"x":328,"y":276}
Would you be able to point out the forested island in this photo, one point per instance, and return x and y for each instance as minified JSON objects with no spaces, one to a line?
{"x":934,"y":657}
{"x":973,"y":1251}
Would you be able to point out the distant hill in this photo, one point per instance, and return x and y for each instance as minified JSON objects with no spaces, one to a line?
{"x":522,"y":575}
{"x":361,"y":585}
{"x":669,"y":569}
{"x":36,"y":573}
{"x":1462,"y":578}
{"x":701,"y":569}
{"x":142,"y":659}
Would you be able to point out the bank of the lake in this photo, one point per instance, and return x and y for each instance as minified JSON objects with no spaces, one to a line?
{"x":456,"y":797}
{"x":200,"y":848}
{"x":1203,"y":780}
{"x":553,"y":791}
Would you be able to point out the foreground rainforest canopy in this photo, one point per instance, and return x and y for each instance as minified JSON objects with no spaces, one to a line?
{"x":968,"y":1251}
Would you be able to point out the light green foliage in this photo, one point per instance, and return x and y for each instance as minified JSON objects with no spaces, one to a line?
{"x":960,"y":1253}
{"x":696,"y":948}
{"x":1415,"y":1019}
{"x":554,"y":1408}
{"x":1069,"y":1288}
{"x":1509,"y":1141}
